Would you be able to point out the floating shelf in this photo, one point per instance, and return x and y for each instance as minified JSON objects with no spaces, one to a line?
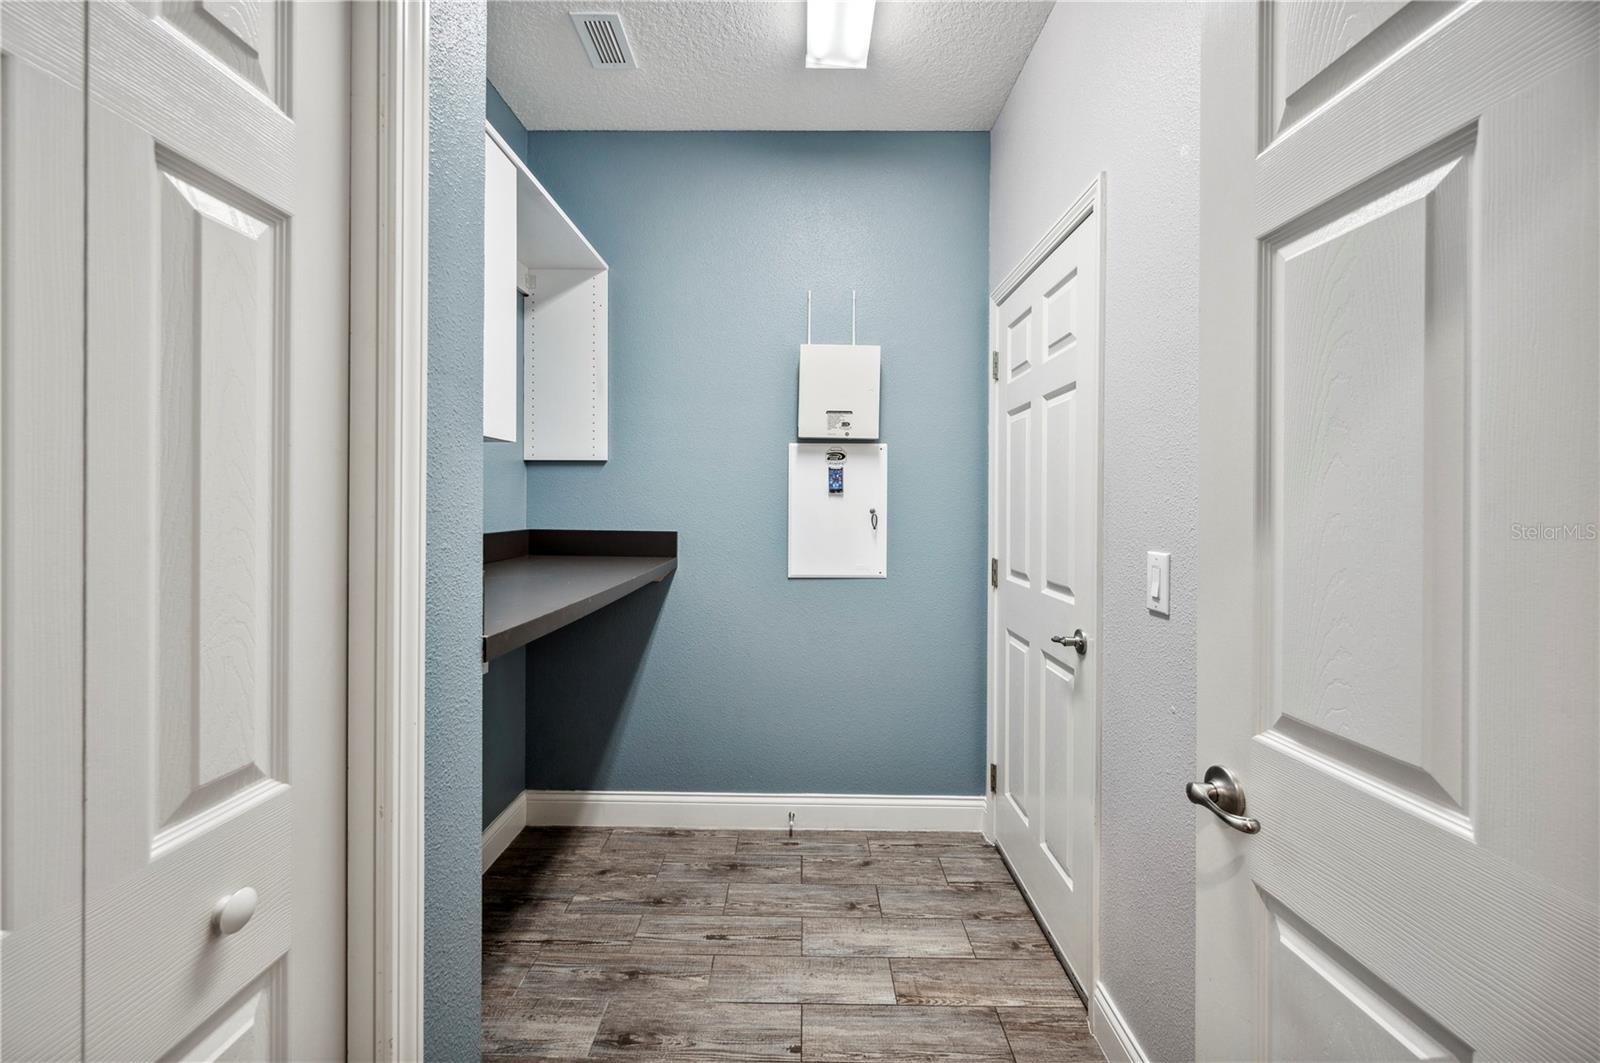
{"x":536,"y":581}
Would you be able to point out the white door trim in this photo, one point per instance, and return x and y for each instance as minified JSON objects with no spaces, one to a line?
{"x":1091,"y":201}
{"x":388,"y":528}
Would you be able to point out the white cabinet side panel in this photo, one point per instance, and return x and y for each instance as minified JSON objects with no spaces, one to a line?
{"x":843,"y":534}
{"x":567,"y":402}
{"x":499,"y":292}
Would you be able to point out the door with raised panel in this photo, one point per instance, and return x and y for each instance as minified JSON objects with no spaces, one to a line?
{"x":1047,"y":502}
{"x":1400,"y":476}
{"x":217,"y":353}
{"x":41,"y":529}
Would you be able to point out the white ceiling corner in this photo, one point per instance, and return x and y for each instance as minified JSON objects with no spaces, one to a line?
{"x":740,"y":64}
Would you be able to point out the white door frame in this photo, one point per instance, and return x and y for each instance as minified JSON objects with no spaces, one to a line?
{"x":388,"y":528}
{"x":1090,"y":201}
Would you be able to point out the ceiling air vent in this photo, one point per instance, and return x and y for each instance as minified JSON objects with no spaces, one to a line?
{"x":604,"y":40}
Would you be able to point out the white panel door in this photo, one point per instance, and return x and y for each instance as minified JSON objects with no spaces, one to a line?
{"x":1047,"y":497}
{"x":41,"y":529}
{"x":216,"y":498}
{"x":1400,"y":482}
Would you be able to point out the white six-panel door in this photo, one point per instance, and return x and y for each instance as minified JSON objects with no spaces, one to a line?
{"x":1047,"y":509}
{"x":41,"y":529}
{"x":1400,"y":434}
{"x":217,"y":358}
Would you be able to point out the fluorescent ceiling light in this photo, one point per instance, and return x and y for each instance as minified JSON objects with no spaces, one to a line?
{"x":838,"y":34}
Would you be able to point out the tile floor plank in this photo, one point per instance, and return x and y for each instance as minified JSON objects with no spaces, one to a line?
{"x":801,"y":980}
{"x":980,"y":983}
{"x":974,"y":867}
{"x":813,"y":842}
{"x":903,"y":1035}
{"x":649,"y":896}
{"x":1050,"y":1035}
{"x":681,"y":844}
{"x":755,"y":867}
{"x":801,"y":899}
{"x":655,"y":1030}
{"x":886,"y":937}
{"x":927,"y":843}
{"x":874,"y":870}
{"x":542,"y":1027}
{"x":1007,"y":939}
{"x":718,"y":934}
{"x":679,"y":978}
{"x":970,"y":900}
{"x":568,"y":931}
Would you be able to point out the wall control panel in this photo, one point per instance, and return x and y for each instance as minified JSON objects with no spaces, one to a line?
{"x":839,"y":391}
{"x":838,"y":510}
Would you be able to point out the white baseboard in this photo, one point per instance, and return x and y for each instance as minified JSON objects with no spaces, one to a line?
{"x":725,"y":811}
{"x":1110,"y":1029}
{"x":717,"y":811}
{"x":505,"y":828}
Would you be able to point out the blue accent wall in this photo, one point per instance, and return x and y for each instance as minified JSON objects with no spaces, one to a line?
{"x":453,"y":754}
{"x":505,"y":504}
{"x":731,"y":677}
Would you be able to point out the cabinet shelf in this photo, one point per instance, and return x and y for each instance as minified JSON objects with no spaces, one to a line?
{"x":537,"y":581}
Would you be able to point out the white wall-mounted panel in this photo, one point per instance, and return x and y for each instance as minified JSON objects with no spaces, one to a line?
{"x":565,"y":348}
{"x":839,"y":391}
{"x":500,"y":277}
{"x":838,"y":525}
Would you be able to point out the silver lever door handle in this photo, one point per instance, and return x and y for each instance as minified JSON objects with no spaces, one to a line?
{"x":1077,"y":640}
{"x":1223,"y":795}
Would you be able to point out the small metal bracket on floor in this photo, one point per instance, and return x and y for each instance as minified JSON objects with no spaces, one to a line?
{"x":791,"y":824}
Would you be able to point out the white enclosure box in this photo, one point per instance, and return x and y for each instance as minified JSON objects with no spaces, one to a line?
{"x":838,"y":510}
{"x":838,"y":391}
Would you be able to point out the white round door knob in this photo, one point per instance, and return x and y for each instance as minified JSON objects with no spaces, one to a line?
{"x":234,"y":911}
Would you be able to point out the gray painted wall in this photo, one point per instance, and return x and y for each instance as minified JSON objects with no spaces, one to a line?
{"x":453,"y":755}
{"x":1116,"y":87}
{"x":731,"y":677}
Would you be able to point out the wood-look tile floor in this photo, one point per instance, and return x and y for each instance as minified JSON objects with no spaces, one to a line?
{"x":668,"y":945}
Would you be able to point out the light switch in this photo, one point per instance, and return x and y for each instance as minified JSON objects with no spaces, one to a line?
{"x":1157,"y":588}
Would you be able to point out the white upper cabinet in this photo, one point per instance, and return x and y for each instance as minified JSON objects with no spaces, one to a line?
{"x":499,"y":294}
{"x":564,"y":341}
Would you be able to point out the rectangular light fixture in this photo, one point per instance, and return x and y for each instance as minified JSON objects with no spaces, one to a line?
{"x":838,"y":34}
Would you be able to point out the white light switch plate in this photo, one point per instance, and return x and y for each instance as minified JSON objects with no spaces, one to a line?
{"x":1157,"y":584}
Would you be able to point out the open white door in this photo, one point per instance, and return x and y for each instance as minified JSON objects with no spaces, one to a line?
{"x":1046,"y":457}
{"x":41,"y":530}
{"x":217,"y":425}
{"x":1399,"y":484}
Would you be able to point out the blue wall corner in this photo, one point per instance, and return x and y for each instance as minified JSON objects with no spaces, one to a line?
{"x":730,"y":677}
{"x":457,"y":35}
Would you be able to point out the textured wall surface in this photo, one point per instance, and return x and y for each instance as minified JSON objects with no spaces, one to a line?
{"x":505,"y":506}
{"x":504,"y":477}
{"x":731,"y":677}
{"x":1116,"y":87}
{"x":454,"y":764}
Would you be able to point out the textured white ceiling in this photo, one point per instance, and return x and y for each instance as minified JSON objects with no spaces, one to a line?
{"x":734,"y":64}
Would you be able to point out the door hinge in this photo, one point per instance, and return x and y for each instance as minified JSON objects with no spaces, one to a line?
{"x":994,"y":572}
{"x":994,"y":364}
{"x":994,"y":778}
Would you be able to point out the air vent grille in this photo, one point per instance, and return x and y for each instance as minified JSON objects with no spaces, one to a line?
{"x":604,"y":39}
